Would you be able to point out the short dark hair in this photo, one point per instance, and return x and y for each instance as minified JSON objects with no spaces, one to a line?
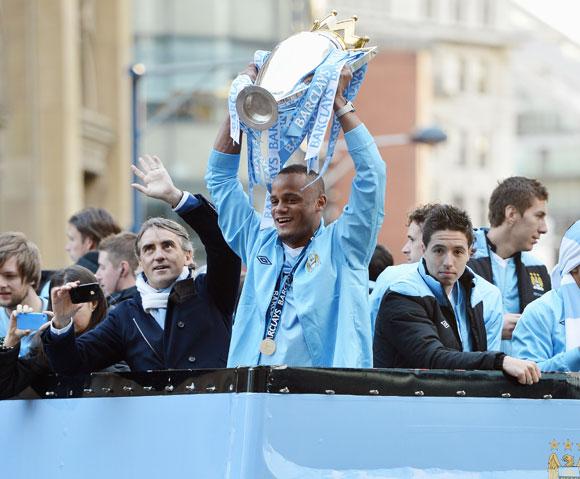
{"x":94,"y":223}
{"x":298,"y":169}
{"x":419,"y":214}
{"x":27,"y":256}
{"x":381,"y":259}
{"x":517,"y":191}
{"x":121,"y":247}
{"x":447,"y":217}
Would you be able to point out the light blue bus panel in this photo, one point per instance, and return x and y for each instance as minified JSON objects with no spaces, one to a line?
{"x":260,"y":423}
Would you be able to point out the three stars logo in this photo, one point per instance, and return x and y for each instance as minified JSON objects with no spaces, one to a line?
{"x":564,"y":466}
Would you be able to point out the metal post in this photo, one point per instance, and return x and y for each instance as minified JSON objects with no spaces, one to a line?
{"x":136,"y":72}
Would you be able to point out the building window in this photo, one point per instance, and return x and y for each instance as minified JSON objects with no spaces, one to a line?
{"x":429,"y":9}
{"x":482,"y":211}
{"x":544,"y":157}
{"x":447,"y":76}
{"x":462,"y":80}
{"x":487,"y":12}
{"x":482,"y":147}
{"x":482,"y":77}
{"x":458,"y":10}
{"x":463,"y":148}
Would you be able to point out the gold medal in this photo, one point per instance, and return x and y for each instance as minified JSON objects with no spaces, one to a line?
{"x":268,"y":346}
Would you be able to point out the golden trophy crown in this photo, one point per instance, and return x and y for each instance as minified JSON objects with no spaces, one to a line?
{"x":343,"y":29}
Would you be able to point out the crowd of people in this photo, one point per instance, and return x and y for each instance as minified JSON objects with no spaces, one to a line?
{"x":466,"y":298}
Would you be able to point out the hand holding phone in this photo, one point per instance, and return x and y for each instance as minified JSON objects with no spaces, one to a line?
{"x":30,"y":321}
{"x":85,"y":293}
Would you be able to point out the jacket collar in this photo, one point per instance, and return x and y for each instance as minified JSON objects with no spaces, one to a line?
{"x":466,"y":280}
{"x":120,"y":296}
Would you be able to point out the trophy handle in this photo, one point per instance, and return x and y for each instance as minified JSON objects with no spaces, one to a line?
{"x":257,"y":107}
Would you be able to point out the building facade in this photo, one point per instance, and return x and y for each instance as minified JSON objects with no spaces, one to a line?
{"x":64,"y":128}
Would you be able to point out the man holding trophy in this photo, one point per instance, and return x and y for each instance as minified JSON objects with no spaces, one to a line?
{"x":304,"y":301}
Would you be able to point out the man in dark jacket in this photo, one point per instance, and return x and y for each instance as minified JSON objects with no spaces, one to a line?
{"x":443,"y":316}
{"x":178,"y":320}
{"x":517,"y":214}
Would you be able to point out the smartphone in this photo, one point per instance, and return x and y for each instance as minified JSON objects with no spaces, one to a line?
{"x":31,"y":321}
{"x":85,"y":293}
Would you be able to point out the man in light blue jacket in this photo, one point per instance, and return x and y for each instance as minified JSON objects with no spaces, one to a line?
{"x":549,"y":330}
{"x":305,"y":296}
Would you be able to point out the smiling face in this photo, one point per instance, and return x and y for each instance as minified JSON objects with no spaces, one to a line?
{"x":162,"y":257}
{"x":296,"y":210}
{"x":526,"y":229}
{"x":446,"y":256}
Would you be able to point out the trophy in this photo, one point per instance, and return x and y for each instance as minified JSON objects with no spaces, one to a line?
{"x":287,"y":72}
{"x":290,"y":103}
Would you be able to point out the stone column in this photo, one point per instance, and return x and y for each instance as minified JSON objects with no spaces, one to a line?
{"x":41,"y":182}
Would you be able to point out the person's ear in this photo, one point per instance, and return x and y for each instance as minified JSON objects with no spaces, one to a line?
{"x":93,"y":305}
{"x":89,"y":244}
{"x":124,"y":269}
{"x":321,"y":202}
{"x":511,"y":214}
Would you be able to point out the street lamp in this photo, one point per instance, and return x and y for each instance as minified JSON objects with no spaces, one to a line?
{"x":427,"y":136}
{"x":136,"y":72}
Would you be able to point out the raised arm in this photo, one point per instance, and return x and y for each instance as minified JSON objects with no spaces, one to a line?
{"x":94,"y":350}
{"x":223,"y":265}
{"x":359,"y":224}
{"x":238,"y":220}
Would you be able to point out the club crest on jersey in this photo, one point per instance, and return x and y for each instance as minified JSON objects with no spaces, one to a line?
{"x":537,"y":282}
{"x":312,"y":262}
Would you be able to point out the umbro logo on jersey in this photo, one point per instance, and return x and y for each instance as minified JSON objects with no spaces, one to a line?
{"x":264,"y":260}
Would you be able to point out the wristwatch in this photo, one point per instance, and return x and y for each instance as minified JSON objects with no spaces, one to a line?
{"x":344,"y":110}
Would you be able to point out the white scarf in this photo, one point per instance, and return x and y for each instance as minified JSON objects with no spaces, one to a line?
{"x":156,"y":298}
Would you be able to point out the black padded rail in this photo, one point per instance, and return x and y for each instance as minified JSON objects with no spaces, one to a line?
{"x":284,"y":380}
